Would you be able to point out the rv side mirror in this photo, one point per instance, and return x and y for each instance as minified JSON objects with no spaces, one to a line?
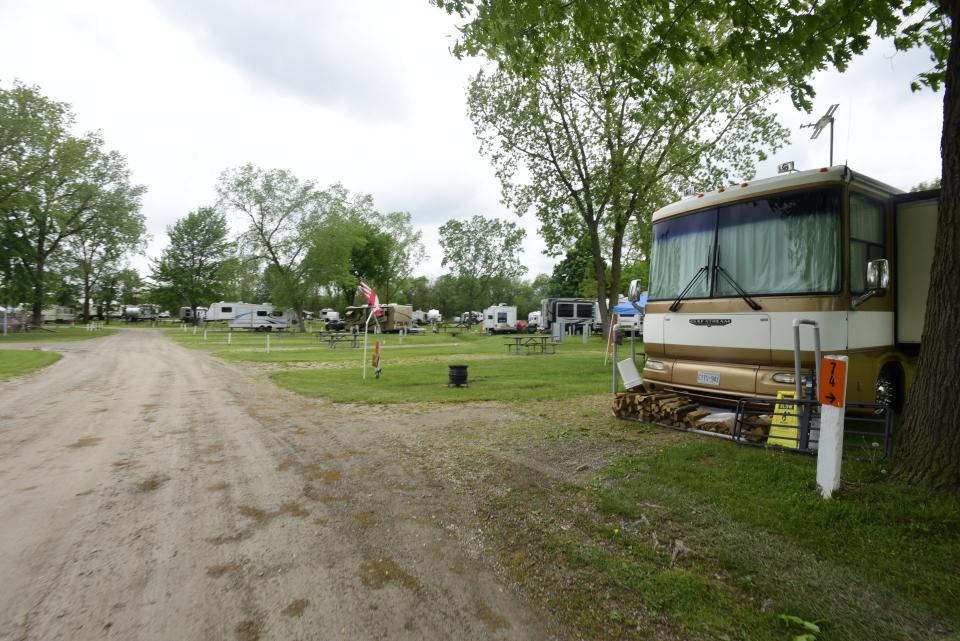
{"x":633,"y":293}
{"x":878,"y":279}
{"x":878,"y":275}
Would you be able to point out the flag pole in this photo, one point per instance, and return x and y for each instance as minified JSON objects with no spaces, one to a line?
{"x":366,"y":328}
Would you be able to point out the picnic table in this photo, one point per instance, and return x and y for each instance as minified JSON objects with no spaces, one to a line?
{"x":335,"y":338}
{"x":531,"y":345}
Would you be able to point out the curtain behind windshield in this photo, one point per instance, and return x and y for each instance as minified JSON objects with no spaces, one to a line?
{"x":681,"y":246}
{"x":784,"y":244}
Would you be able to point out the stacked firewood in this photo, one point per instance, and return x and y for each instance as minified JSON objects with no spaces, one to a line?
{"x":658,"y":407}
{"x":679,"y":410}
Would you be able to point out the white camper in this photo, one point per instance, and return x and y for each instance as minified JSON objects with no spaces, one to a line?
{"x":57,"y":314}
{"x":433,"y":316}
{"x":533,"y":319}
{"x":500,"y":319}
{"x":419,"y":317}
{"x":260,"y":317}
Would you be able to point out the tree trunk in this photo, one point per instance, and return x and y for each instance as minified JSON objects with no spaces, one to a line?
{"x":928,"y":445}
{"x":38,"y":292}
{"x":86,"y":298}
{"x":600,"y":270}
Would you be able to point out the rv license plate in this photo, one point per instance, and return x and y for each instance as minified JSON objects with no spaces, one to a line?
{"x":708,"y":378}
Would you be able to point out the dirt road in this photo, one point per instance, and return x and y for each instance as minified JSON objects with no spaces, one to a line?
{"x":150,"y":492}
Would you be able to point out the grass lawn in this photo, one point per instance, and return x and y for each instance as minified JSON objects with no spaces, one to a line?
{"x":16,"y":362}
{"x":680,"y":536}
{"x":55,"y":334}
{"x":667,"y":535}
{"x":418,"y":369}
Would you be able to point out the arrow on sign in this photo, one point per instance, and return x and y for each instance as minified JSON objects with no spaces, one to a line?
{"x":831,"y":398}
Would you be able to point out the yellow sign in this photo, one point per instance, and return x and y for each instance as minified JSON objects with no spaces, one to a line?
{"x":784,"y":430}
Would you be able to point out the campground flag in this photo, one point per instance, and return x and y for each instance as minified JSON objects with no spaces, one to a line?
{"x":372,"y":299}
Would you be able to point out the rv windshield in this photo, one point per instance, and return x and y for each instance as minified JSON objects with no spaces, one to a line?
{"x":681,"y":247}
{"x":785,"y":244}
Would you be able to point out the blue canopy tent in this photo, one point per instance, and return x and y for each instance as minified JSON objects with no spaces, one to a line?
{"x":627,"y":308}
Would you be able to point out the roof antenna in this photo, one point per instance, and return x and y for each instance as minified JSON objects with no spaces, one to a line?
{"x":825,"y":119}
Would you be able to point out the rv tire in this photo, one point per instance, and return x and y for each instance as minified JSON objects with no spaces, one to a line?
{"x":890,"y":384}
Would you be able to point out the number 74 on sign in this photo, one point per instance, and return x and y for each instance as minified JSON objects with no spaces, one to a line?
{"x":833,"y":383}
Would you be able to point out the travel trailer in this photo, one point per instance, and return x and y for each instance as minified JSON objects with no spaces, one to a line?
{"x":433,"y":316}
{"x":733,"y":269}
{"x":57,"y":314}
{"x":394,"y":318}
{"x":500,"y":319}
{"x":260,"y":317}
{"x":577,"y":312}
{"x":469,"y":318}
{"x":533,"y":319}
{"x":419,"y":317}
{"x":327,"y":315}
{"x":136,"y":313}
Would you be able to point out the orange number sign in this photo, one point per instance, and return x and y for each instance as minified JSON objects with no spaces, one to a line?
{"x":833,"y":387}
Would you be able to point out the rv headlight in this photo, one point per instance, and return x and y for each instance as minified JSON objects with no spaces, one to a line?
{"x":655,"y":365}
{"x":783,"y":377}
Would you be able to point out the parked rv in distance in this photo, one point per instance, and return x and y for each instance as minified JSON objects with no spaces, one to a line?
{"x":500,"y":319}
{"x":137,"y":313}
{"x":434,"y":316}
{"x":57,"y":314}
{"x":578,"y":313}
{"x":259,"y":317}
{"x":394,"y":318}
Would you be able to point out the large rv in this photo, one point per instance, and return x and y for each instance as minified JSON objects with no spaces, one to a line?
{"x":580,"y":312}
{"x":394,"y":318}
{"x":260,"y":317}
{"x":732,"y":269}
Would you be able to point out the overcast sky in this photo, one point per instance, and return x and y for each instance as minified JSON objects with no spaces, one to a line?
{"x":362,"y":92}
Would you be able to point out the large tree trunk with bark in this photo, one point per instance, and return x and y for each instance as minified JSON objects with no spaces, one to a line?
{"x":38,"y":292}
{"x":86,"y":297}
{"x":600,"y":271}
{"x":928,"y":445}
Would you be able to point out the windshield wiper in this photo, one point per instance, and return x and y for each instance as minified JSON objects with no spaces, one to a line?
{"x":754,"y":305}
{"x":693,"y":281}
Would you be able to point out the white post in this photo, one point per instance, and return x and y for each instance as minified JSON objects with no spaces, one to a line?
{"x":204,"y":334}
{"x":833,"y":392}
{"x":268,"y":343}
{"x":194,"y":330}
{"x":401,"y":335}
{"x":229,"y":337}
